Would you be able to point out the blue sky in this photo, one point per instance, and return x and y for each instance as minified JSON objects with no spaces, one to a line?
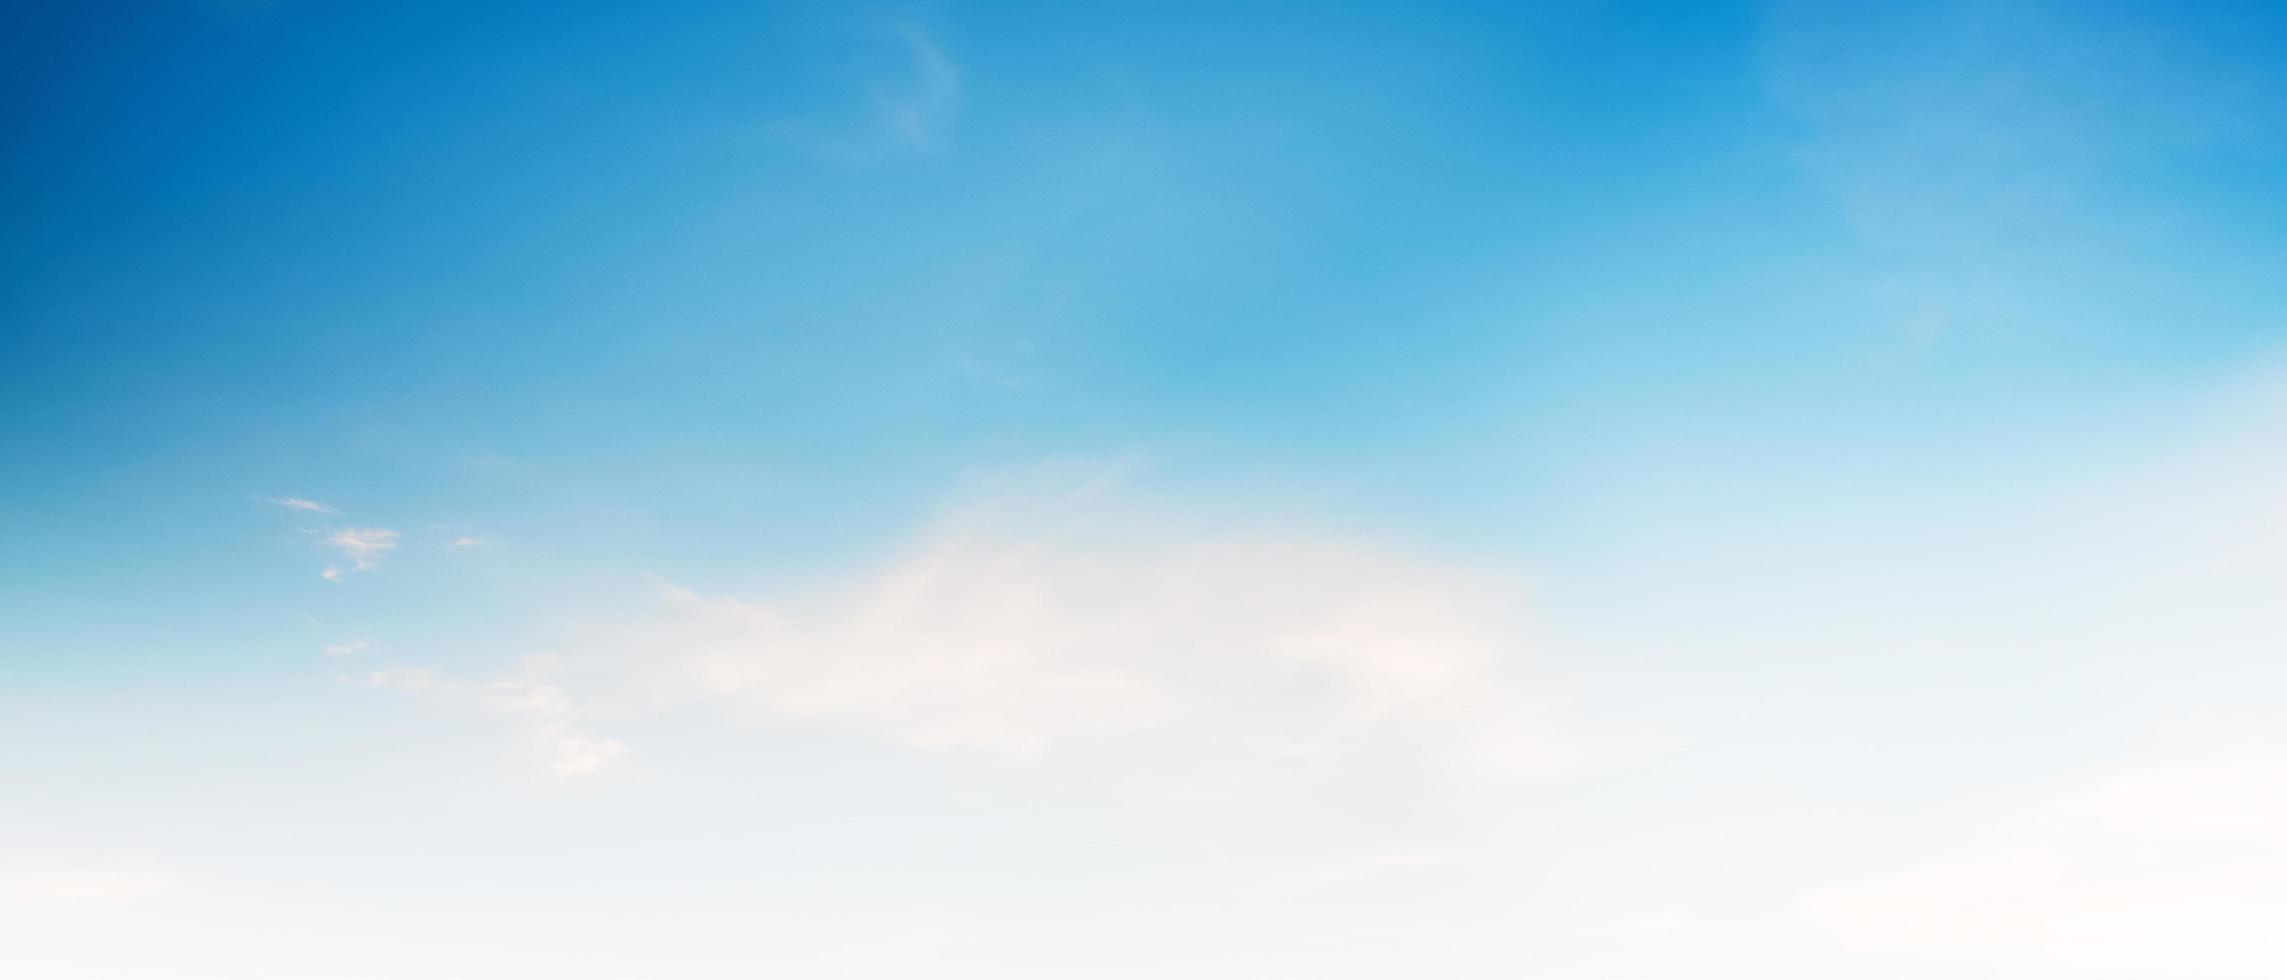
{"x":1594,"y":490}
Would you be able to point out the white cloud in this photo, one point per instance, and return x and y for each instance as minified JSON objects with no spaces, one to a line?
{"x":79,"y":889}
{"x":362,"y":546}
{"x":1067,"y":624}
{"x":2167,"y":867}
{"x":348,"y":648}
{"x":470,"y":542}
{"x":297,"y":503}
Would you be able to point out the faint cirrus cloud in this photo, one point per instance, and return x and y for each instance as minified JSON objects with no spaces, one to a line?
{"x":907,"y":112}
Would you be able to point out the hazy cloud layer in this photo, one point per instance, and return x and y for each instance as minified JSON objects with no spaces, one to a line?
{"x":2167,"y":866}
{"x":1044,"y":625}
{"x":79,"y":889}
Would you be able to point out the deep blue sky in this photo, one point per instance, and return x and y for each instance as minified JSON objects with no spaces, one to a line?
{"x":1452,"y":268}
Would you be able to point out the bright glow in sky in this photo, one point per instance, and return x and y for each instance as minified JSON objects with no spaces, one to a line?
{"x":1581,"y":491}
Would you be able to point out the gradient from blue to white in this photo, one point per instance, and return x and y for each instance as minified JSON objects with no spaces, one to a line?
{"x":1575,"y":490}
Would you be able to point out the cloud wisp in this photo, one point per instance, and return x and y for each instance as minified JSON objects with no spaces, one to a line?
{"x":527,"y":697}
{"x":361,"y":547}
{"x":908,"y":112}
{"x":1044,"y":628}
{"x":916,"y":112}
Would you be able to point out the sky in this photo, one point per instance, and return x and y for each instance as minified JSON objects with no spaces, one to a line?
{"x":1575,"y":490}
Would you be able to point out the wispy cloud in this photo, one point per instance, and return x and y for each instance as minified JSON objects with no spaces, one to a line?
{"x":916,"y":110}
{"x":472,"y":542}
{"x":907,"y":112}
{"x":1042,"y":626}
{"x":362,"y":547}
{"x":348,"y":648}
{"x":528,"y":697}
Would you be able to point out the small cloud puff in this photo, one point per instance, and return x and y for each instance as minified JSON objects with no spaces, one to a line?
{"x":363,"y":546}
{"x":348,"y":649}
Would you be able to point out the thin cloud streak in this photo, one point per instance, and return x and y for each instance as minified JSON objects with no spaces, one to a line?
{"x":910,"y":115}
{"x":917,"y":113}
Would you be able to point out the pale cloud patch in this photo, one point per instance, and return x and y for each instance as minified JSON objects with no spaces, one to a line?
{"x":1223,"y":656}
{"x":465,"y":542}
{"x":1066,"y":624}
{"x":348,"y":648}
{"x":362,"y":547}
{"x":2163,"y":867}
{"x":526,"y":697}
{"x":305,"y":506}
{"x":65,"y":890}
